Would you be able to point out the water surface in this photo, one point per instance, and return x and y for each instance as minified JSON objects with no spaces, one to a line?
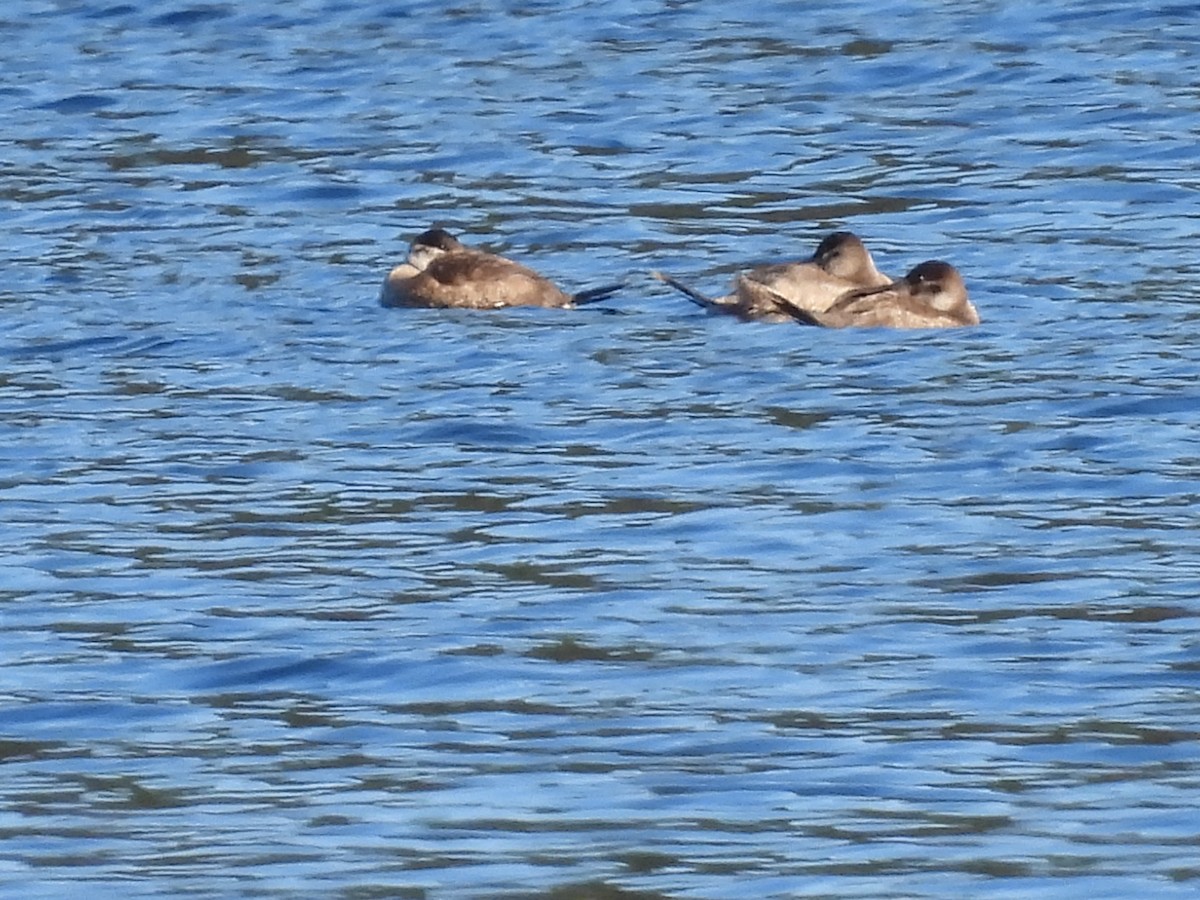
{"x":306,"y":597}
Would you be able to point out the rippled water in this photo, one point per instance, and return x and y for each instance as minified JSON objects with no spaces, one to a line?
{"x":306,"y":597}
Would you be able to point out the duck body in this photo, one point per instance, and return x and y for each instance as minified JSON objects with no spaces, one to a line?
{"x":840,"y":264}
{"x":443,"y":273}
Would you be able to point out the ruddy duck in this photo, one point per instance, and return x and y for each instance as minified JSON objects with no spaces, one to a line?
{"x":932,"y":295}
{"x":841,"y":264}
{"x":441,"y":272}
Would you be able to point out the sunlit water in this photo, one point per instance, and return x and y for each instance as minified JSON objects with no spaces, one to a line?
{"x":306,"y":597}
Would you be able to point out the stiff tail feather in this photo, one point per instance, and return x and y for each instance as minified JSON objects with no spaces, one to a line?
{"x":785,"y":306}
{"x":591,"y":295}
{"x":765,"y":296}
{"x":691,"y":293}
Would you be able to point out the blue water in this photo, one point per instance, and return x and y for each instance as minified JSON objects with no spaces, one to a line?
{"x":306,"y":597}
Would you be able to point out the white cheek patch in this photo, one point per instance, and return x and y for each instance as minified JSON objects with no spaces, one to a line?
{"x":421,"y":256}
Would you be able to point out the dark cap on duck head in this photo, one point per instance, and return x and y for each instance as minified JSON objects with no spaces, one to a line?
{"x":833,"y":243}
{"x":438,"y":238}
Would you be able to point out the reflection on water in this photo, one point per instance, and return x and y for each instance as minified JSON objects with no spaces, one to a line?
{"x":306,"y":597}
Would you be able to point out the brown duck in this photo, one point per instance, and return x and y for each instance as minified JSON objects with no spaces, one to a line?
{"x":441,"y":272}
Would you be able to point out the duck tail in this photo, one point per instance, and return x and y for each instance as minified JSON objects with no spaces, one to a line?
{"x":591,"y":295}
{"x":785,"y":306}
{"x":803,"y":316}
{"x":691,"y":293}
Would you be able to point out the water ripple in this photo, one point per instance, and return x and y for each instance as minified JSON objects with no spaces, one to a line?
{"x":306,"y":597}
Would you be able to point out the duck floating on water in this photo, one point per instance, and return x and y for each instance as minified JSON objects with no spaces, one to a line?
{"x":441,"y":272}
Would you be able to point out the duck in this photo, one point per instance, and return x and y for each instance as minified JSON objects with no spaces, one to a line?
{"x":840,"y":265}
{"x":932,"y":295}
{"x":441,"y":273}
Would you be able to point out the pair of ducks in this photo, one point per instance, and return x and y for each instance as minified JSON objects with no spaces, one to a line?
{"x":837,"y":287}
